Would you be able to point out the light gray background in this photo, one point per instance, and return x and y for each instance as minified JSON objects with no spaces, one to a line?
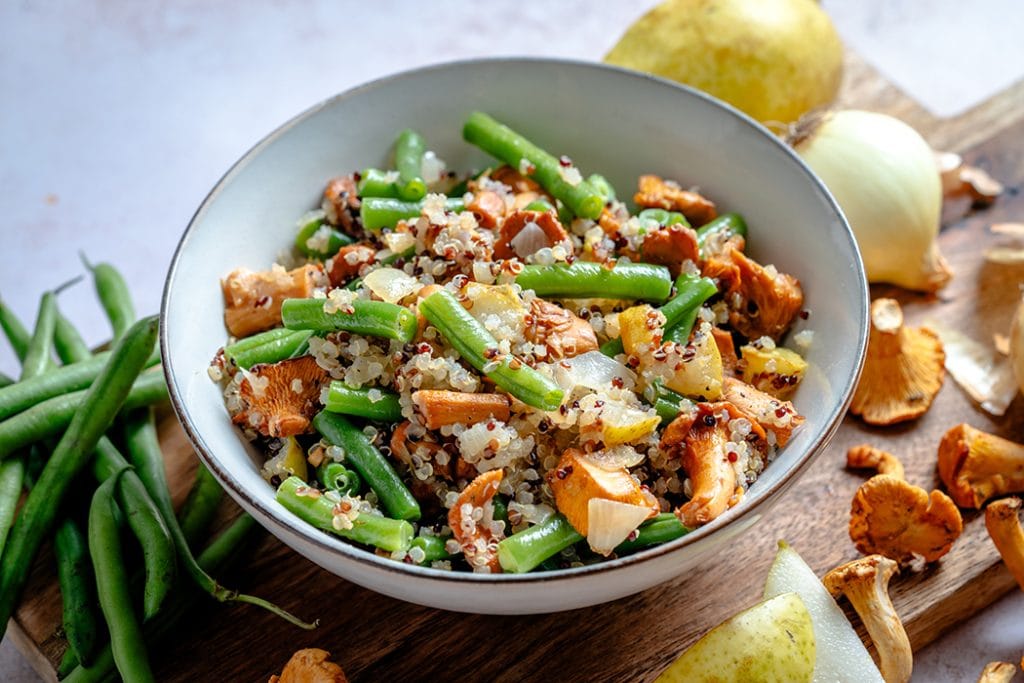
{"x":116,"y":117}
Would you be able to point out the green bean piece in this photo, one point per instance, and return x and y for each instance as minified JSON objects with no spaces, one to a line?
{"x":371,"y":465}
{"x":522,"y":551}
{"x":50,"y":417}
{"x":336,"y":477}
{"x":114,"y":295}
{"x":409,"y":150}
{"x":502,"y":142}
{"x":112,"y":587}
{"x":5,"y":381}
{"x":55,"y":382}
{"x":667,"y":403}
{"x":603,"y":187}
{"x":433,"y":548}
{"x":12,"y":473}
{"x":15,"y":331}
{"x":200,"y":506}
{"x":71,"y":348}
{"x":279,"y":346}
{"x":661,"y":529}
{"x":500,"y":513}
{"x":726,"y":225}
{"x":37,"y":356}
{"x":318,"y":239}
{"x":663,"y":217}
{"x":68,"y":663}
{"x":373,"y":404}
{"x":369,"y":318}
{"x":586,"y":280}
{"x":389,"y":260}
{"x":374,"y":182}
{"x":219,"y":555}
{"x":479,"y":348}
{"x":316,"y":508}
{"x":77,"y":591}
{"x":91,"y":417}
{"x":377,"y":213}
{"x":539,"y":205}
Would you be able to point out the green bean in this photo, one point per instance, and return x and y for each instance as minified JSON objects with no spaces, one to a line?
{"x":316,"y":508}
{"x":68,"y":663}
{"x":479,"y":348}
{"x":37,"y":356}
{"x":320,"y":247}
{"x":51,"y":416}
{"x":71,"y":348}
{"x":381,"y":212}
{"x":373,"y":404}
{"x":371,"y":465}
{"x":369,"y":318}
{"x":273,"y":347}
{"x":112,"y":586}
{"x":12,"y":473}
{"x":222,"y":552}
{"x":409,"y":150}
{"x":392,"y":258}
{"x":374,"y":182}
{"x":92,"y":416}
{"x":539,"y":205}
{"x":603,"y":187}
{"x":433,"y":548}
{"x":146,"y":522}
{"x":77,"y":591}
{"x":586,"y":280}
{"x":502,"y":142}
{"x":660,"y":529}
{"x":55,"y":382}
{"x":15,"y":331}
{"x":728,"y":224}
{"x":522,"y":551}
{"x":114,"y":295}
{"x":500,"y":513}
{"x":5,"y":381}
{"x":200,"y":506}
{"x":336,"y":477}
{"x":667,"y":403}
{"x":663,"y":217}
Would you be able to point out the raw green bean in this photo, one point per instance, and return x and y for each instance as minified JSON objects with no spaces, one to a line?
{"x":371,"y":465}
{"x":112,"y":587}
{"x":91,"y":417}
{"x":373,"y":404}
{"x":37,"y":356}
{"x":327,"y":241}
{"x":661,"y":529}
{"x":71,"y":348}
{"x":392,"y":258}
{"x":271,"y":349}
{"x":512,"y":148}
{"x":12,"y":473}
{"x":146,"y":523}
{"x":479,"y":348}
{"x":539,"y":205}
{"x":15,"y":331}
{"x":374,"y":182}
{"x":521,"y":552}
{"x":728,"y":224}
{"x":433,"y":548}
{"x":663,"y":217}
{"x":55,"y":382}
{"x":316,"y":508}
{"x":114,"y":295}
{"x":381,"y":212}
{"x":336,"y":477}
{"x":68,"y":663}
{"x":586,"y":280}
{"x":77,"y":591}
{"x":200,"y":506}
{"x":50,"y":417}
{"x":409,"y":150}
{"x":603,"y":187}
{"x":5,"y":381}
{"x":369,"y":318}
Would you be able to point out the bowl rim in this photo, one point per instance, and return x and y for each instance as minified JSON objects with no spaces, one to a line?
{"x":330,"y":544}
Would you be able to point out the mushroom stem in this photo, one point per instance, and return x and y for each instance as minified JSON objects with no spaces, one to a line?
{"x":1005,"y":529}
{"x":865,"y":583}
{"x":997,"y":672}
{"x":976,"y":466}
{"x":886,"y":327}
{"x":866,"y":456}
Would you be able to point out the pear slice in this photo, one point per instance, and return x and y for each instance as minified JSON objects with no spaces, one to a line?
{"x":841,"y":654}
{"x":771,"y":641}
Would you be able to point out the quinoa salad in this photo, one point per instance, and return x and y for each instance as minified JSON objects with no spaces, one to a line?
{"x":514,"y":369}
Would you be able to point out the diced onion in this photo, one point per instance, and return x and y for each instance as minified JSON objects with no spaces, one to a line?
{"x":978,"y":369}
{"x":390,"y":284}
{"x":609,"y":523}
{"x":616,"y":457}
{"x":593,"y":370}
{"x":529,"y":241}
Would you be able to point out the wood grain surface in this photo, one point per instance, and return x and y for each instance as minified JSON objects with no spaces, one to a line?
{"x":377,"y":638}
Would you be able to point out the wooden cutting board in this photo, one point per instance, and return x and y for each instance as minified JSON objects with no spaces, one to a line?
{"x":378,"y":638}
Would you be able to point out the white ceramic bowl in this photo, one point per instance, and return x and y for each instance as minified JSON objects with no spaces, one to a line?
{"x":608,"y":120}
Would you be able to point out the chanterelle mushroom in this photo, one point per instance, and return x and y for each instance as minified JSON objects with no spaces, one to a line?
{"x":903,"y":370}
{"x":311,"y":665}
{"x":901,"y":521}
{"x":866,"y":456}
{"x":279,"y":399}
{"x":473,"y":526}
{"x":997,"y":672}
{"x":865,"y":583}
{"x":1004,"y":527}
{"x":976,"y":466}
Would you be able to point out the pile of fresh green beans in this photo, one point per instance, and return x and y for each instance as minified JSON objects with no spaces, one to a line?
{"x":58,"y":424}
